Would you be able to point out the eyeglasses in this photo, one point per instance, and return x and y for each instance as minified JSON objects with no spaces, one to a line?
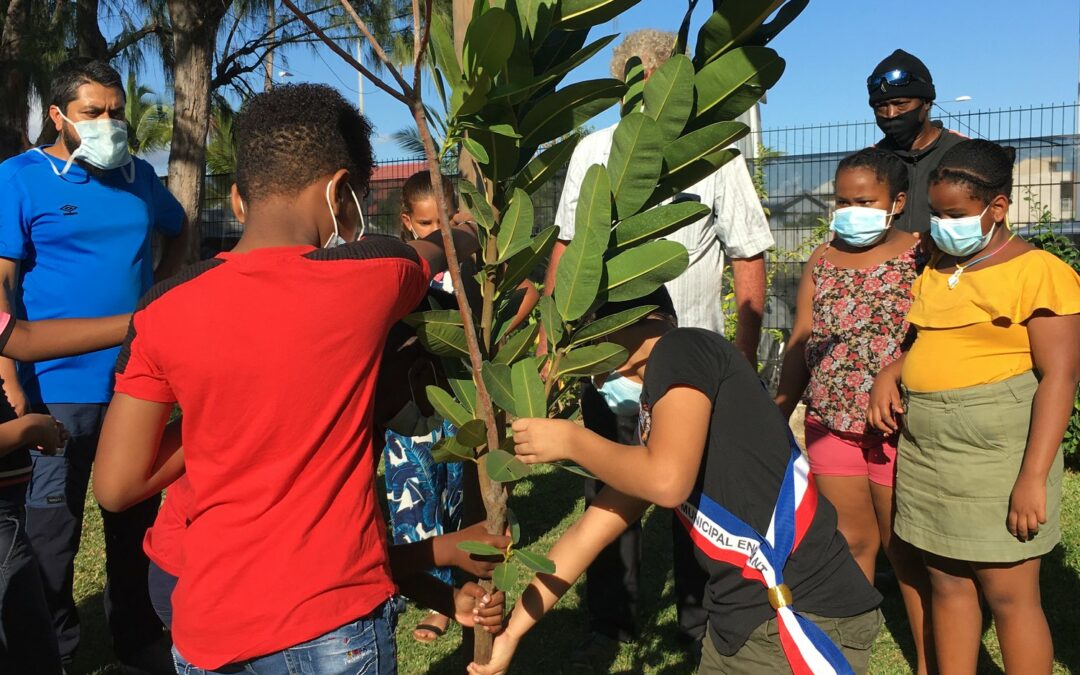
{"x":893,"y":78}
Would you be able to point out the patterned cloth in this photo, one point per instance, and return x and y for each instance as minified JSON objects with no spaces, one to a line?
{"x":858,"y":329}
{"x":423,"y":497}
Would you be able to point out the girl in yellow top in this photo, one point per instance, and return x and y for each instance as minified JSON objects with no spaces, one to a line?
{"x":989,"y":386}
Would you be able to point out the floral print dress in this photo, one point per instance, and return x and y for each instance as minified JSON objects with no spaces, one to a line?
{"x":858,"y":328}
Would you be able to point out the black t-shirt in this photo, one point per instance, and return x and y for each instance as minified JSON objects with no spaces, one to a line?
{"x":920,"y":164}
{"x":15,"y":466}
{"x":746,"y":455}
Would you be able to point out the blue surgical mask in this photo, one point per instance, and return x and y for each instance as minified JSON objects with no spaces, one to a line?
{"x":336,"y":239}
{"x":960,"y":237}
{"x":102,"y":143}
{"x":860,"y":226}
{"x":621,"y":394}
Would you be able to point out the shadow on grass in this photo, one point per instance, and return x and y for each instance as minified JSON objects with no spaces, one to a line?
{"x":1060,"y":593}
{"x":95,"y":654}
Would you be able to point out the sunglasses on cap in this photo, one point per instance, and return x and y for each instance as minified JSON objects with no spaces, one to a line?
{"x":892,"y":78}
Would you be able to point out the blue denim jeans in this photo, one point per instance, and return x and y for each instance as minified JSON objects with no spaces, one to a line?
{"x":364,"y":647}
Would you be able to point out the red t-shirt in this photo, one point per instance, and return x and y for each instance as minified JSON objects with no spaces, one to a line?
{"x":164,"y":541}
{"x":273,"y":357}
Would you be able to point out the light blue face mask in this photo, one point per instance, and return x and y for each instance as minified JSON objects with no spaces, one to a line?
{"x":621,"y":394}
{"x":102,"y":143}
{"x":336,"y":239}
{"x":860,"y":226}
{"x":960,"y":237}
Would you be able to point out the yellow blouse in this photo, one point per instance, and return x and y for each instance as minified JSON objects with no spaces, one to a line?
{"x":976,"y":333}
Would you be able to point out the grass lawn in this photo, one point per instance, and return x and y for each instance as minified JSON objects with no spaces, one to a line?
{"x":553,"y":497}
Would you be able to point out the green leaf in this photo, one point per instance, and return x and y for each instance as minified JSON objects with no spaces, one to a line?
{"x":730,"y":85}
{"x":581,"y":266}
{"x":502,"y":149}
{"x":575,"y":469}
{"x":475,"y":149}
{"x":450,"y":317}
{"x":489,"y":41}
{"x":515,"y":526}
{"x":730,"y":27}
{"x":477,"y":204}
{"x":472,"y":434}
{"x":785,"y":16}
{"x":569,"y":108}
{"x":497,"y":380}
{"x":443,"y":339}
{"x":545,"y":165}
{"x":507,"y":305}
{"x":480,"y":548}
{"x":592,"y":360}
{"x":502,"y":467}
{"x":634,"y":77}
{"x":582,"y":14}
{"x":515,"y":231}
{"x":518,"y":345}
{"x":446,"y":406}
{"x":469,"y":98}
{"x":528,"y":390}
{"x":519,"y":267}
{"x":534,"y":561}
{"x":504,"y":576}
{"x":449,"y":450}
{"x":516,"y":91}
{"x":443,"y":49}
{"x":550,"y":320}
{"x":642,"y":269}
{"x":610,"y":324}
{"x":637,"y":157}
{"x":657,"y":222}
{"x":684,"y":28}
{"x":461,"y":383}
{"x":669,"y":95}
{"x":697,"y":144}
{"x":503,"y":130}
{"x":698,"y":170}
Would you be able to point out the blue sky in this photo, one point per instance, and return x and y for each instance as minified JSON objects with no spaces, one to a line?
{"x":999,"y":52}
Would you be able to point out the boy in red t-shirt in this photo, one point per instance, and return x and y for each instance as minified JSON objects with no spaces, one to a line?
{"x":272,"y":352}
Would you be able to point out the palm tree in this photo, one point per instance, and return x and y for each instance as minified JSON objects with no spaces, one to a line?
{"x":149,"y":122}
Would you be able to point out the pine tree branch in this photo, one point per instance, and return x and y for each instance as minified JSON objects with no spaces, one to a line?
{"x":377,"y":48}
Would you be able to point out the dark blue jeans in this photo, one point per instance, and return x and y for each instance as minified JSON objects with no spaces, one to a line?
{"x":161,"y":585}
{"x":27,"y":641}
{"x":364,"y":647}
{"x":54,"y":514}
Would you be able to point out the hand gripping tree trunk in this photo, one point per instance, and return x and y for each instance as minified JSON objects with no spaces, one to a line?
{"x":195,"y":25}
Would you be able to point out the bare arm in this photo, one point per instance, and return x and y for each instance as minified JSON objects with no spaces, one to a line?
{"x":174,"y":252}
{"x":528,"y":302}
{"x":9,"y":279}
{"x":662,"y":472}
{"x":442,"y":551}
{"x":605,"y":519}
{"x":137,"y":454}
{"x":55,"y":338}
{"x":794,"y":375}
{"x":749,"y":278}
{"x":1055,"y":351}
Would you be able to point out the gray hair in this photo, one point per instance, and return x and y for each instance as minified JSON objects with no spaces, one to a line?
{"x":653,"y":47}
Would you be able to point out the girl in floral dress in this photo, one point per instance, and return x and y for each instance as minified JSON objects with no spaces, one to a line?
{"x":854,"y":294}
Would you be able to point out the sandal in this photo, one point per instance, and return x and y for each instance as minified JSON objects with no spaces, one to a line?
{"x":435,"y":631}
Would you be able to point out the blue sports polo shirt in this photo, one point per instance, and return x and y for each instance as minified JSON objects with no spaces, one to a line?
{"x":83,"y":246}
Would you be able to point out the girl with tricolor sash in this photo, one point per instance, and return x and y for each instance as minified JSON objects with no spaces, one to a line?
{"x":783,"y":592}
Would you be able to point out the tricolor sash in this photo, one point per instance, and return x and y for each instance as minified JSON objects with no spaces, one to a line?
{"x":725,"y":538}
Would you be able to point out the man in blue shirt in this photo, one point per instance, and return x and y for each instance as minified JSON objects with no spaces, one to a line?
{"x":76,"y":220}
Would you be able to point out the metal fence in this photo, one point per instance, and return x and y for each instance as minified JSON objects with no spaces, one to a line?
{"x":796,"y":171}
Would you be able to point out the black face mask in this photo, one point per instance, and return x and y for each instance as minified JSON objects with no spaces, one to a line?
{"x":902,"y":129}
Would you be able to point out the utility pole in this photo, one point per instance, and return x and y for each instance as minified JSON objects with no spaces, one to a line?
{"x":359,"y":76}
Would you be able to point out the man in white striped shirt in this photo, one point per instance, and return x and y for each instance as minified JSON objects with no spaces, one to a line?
{"x":735,"y":231}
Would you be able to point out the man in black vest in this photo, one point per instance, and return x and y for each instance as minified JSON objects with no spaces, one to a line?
{"x":901,"y":94}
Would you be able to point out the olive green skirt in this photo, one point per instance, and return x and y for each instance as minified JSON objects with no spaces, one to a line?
{"x":959,"y":456}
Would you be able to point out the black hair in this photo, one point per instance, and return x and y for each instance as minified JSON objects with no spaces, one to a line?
{"x":294,"y":134}
{"x":74,"y":73}
{"x":660,"y":297}
{"x":11,"y":142}
{"x":984,"y":167}
{"x":887,"y":167}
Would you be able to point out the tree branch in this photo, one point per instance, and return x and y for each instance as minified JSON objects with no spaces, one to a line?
{"x":347,"y":57}
{"x":416,"y":31}
{"x":124,"y":41}
{"x":422,"y":42}
{"x":383,"y":58}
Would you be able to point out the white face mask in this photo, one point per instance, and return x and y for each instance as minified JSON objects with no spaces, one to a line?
{"x":336,"y":239}
{"x":102,"y":143}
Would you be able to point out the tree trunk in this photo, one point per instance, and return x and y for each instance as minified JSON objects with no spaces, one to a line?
{"x":195,"y":26}
{"x":88,"y":38}
{"x":14,"y":67}
{"x":268,"y":60}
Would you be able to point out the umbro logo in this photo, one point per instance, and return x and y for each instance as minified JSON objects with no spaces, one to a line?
{"x":69,"y":210}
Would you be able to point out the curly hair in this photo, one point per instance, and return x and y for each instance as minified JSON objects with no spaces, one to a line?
{"x":887,"y":167}
{"x":292,"y":135}
{"x":983,"y":167}
{"x":653,"y":47}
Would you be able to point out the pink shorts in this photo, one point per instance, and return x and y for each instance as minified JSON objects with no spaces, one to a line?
{"x":835,"y":453}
